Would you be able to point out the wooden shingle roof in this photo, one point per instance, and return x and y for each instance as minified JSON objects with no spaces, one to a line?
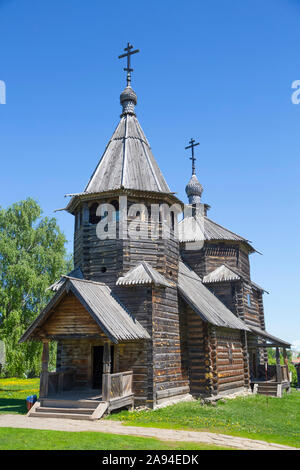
{"x":127,"y":162}
{"x":143,"y":274}
{"x":220,"y":274}
{"x":204,"y":302}
{"x":193,"y":230}
{"x":104,"y":307}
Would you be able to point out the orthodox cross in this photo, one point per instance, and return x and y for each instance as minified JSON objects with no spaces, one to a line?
{"x":191,"y":146}
{"x":128,"y":54}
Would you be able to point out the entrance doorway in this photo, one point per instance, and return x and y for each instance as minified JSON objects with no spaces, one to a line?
{"x":97,"y":356}
{"x":253,"y":365}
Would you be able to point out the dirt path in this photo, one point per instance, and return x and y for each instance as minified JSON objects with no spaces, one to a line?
{"x":115,"y":427}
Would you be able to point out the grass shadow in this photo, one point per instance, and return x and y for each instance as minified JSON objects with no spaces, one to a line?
{"x":13,"y":405}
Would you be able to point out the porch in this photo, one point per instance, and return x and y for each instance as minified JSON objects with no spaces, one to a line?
{"x":61,"y":397}
{"x":91,"y":326}
{"x":272,"y":379}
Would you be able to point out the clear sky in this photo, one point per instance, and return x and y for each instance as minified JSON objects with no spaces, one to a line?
{"x":220,"y":71}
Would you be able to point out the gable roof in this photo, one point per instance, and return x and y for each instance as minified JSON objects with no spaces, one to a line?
{"x":143,"y":274}
{"x":206,"y":229}
{"x":204,"y":302}
{"x":104,"y":307}
{"x":127,"y":162}
{"x":222,"y":273}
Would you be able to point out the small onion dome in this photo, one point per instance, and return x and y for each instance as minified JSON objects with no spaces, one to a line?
{"x":194,"y":188}
{"x":128,"y":100}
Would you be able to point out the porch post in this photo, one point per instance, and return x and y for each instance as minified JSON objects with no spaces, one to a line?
{"x":44,"y":374}
{"x":278,"y":367}
{"x":298,"y":376}
{"x":286,"y":364}
{"x":106,"y":371}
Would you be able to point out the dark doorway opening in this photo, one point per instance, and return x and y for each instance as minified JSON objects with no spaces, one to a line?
{"x":98,"y":365}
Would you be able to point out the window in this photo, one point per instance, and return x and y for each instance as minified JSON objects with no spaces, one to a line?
{"x":230,"y":355}
{"x":115,"y":203}
{"x":249,"y":300}
{"x":94,"y":219}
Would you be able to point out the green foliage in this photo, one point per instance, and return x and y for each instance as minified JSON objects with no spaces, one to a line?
{"x":32,"y":257}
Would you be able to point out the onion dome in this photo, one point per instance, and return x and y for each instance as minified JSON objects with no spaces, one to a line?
{"x":194,"y":190}
{"x":128,"y":100}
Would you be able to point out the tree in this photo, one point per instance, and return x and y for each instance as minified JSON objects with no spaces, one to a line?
{"x":32,"y":257}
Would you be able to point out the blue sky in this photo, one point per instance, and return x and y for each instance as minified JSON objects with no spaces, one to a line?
{"x":218,"y":70}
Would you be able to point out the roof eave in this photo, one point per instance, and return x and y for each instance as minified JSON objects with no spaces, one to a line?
{"x":76,"y":199}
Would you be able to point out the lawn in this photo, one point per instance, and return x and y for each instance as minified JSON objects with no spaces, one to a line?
{"x":13,"y":394}
{"x":35,"y":439}
{"x":257,"y":417}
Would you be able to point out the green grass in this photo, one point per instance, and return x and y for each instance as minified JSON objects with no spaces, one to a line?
{"x":13,"y":394}
{"x":257,"y":417}
{"x":35,"y":439}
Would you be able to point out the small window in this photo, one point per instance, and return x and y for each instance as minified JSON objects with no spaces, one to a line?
{"x":115,"y":203}
{"x":94,"y":219}
{"x":230,"y":354}
{"x":249,"y":300}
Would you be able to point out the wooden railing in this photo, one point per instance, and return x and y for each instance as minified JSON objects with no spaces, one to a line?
{"x":276,"y":373}
{"x":56,"y":382}
{"x":269,"y":374}
{"x":116,"y":385}
{"x":284,"y":374}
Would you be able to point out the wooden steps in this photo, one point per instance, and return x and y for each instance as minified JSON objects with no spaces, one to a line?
{"x":272,"y":389}
{"x":267,"y":389}
{"x":68,"y":409}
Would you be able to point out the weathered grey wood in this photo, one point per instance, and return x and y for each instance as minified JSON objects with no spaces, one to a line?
{"x":106,"y":357}
{"x":44,"y":374}
{"x":172,"y":392}
{"x":278,"y":366}
{"x":106,"y":386}
{"x":100,"y":410}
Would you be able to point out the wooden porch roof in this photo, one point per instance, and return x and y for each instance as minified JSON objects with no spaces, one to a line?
{"x":116,"y":322}
{"x":265,"y":335}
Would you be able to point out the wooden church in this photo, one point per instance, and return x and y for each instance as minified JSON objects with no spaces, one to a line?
{"x":143,"y":321}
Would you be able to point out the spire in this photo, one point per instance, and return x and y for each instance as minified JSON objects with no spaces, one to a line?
{"x":128,"y":98}
{"x":128,"y":162}
{"x":193,"y":189}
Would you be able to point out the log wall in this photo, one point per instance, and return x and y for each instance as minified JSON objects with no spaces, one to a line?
{"x":230,"y":360}
{"x":167,"y":366}
{"x":195,"y":353}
